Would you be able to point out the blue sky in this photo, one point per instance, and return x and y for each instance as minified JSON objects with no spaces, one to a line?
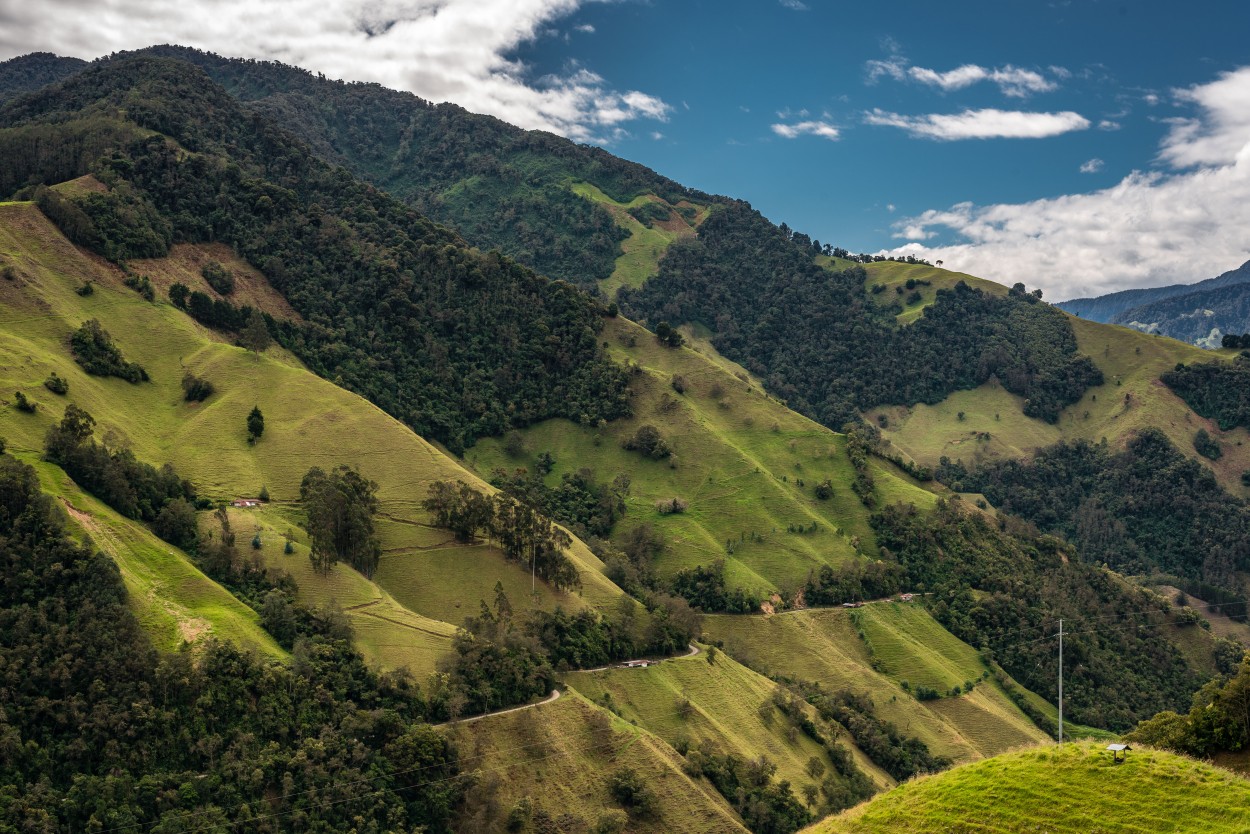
{"x":1078,"y":146}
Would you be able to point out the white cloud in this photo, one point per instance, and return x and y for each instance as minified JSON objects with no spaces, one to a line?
{"x":585,"y":28}
{"x":1149,"y":229}
{"x":813,"y":128}
{"x":981,"y":124}
{"x":1108,"y":124}
{"x":442,"y":50}
{"x":796,"y":5}
{"x":1015,"y":82}
{"x":1092,"y":166}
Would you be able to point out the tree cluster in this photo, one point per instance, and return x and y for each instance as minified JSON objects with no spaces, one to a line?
{"x":1217,"y":390}
{"x":339,"y":507}
{"x":578,"y":502}
{"x":523,"y":533}
{"x":133,"y":488}
{"x":94,"y":350}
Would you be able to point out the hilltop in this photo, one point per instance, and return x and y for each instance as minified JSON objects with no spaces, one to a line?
{"x":1074,"y":788}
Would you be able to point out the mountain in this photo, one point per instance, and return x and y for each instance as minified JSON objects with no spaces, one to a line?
{"x":28,"y":73}
{"x":1196,"y":313}
{"x":533,"y":487}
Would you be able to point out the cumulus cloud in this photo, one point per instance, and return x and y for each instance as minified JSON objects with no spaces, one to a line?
{"x":981,"y":124}
{"x":1092,"y":166}
{"x":810,"y":128}
{"x":442,"y":50}
{"x":1180,"y":224}
{"x":1015,"y":82}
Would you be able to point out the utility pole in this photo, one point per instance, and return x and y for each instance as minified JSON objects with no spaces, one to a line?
{"x":1061,"y":681}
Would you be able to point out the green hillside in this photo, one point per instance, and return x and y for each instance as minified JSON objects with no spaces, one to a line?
{"x":748,"y":467}
{"x":901,"y":642}
{"x":1131,"y":397}
{"x":558,"y":760}
{"x":691,"y":702}
{"x":308,"y":422}
{"x":1073,"y":789}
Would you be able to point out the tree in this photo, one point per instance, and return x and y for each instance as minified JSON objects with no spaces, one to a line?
{"x":340,"y":507}
{"x":255,"y":336}
{"x":255,"y":424}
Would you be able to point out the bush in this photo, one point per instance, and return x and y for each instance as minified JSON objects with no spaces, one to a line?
{"x":142,"y":285}
{"x":24,"y":404}
{"x":255,"y":424}
{"x":86,"y":289}
{"x":670,"y":506}
{"x":1207,"y":446}
{"x":194,"y":389}
{"x":824,"y":490}
{"x":650,"y":442}
{"x":629,"y":789}
{"x":56,"y":384}
{"x":218,"y":277}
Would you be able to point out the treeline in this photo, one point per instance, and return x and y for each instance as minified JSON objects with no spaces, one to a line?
{"x":900,"y":756}
{"x":133,"y":488}
{"x":1218,"y":721}
{"x":818,"y":341}
{"x":1142,"y":510}
{"x":1002,"y":587}
{"x":456,"y":343}
{"x":1217,"y":390}
{"x":103,"y":733}
{"x":521,"y":532}
{"x":579,"y":501}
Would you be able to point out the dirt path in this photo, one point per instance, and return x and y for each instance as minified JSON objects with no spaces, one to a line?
{"x":555,"y":695}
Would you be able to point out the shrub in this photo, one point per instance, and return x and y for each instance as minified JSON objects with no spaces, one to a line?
{"x":649,"y":442}
{"x":218,"y":277}
{"x":24,"y":404}
{"x":264,"y":494}
{"x":56,"y":384}
{"x":1207,"y":446}
{"x":86,"y":289}
{"x":629,"y":789}
{"x":824,"y":490}
{"x":194,"y":389}
{"x":142,"y":285}
{"x":669,"y":506}
{"x":679,"y":383}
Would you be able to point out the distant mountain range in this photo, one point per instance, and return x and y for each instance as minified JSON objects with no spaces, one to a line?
{"x":1198,"y":313}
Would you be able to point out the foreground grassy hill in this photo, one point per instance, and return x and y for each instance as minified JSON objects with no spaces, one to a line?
{"x":900,"y":642}
{"x":1074,"y":788}
{"x":1131,"y":398}
{"x":309,"y":421}
{"x":747,"y":466}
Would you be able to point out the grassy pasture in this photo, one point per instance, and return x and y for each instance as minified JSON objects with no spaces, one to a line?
{"x":1074,"y":788}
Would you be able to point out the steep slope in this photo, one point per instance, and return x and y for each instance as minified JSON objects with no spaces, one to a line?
{"x":1114,"y":308}
{"x":1068,"y":789}
{"x":308,"y":422}
{"x":28,"y":73}
{"x":748,"y":467}
{"x":825,"y":647}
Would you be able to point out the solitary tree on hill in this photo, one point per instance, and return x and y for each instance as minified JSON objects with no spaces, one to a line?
{"x":255,"y":425}
{"x":255,"y":336}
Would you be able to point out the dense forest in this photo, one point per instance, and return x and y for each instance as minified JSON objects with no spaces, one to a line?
{"x":98,"y":732}
{"x":1144,"y":510}
{"x":1003,"y":589}
{"x":456,"y":343}
{"x":499,"y":186}
{"x":817,"y":341}
{"x":1217,"y":390}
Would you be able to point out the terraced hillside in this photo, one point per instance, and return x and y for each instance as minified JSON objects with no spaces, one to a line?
{"x":987,"y":423}
{"x":1067,"y":789}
